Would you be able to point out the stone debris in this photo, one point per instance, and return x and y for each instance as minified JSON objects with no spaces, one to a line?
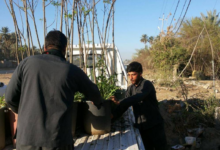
{"x":178,"y":147}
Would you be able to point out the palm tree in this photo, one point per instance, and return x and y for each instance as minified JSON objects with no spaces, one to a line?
{"x":144,"y":39}
{"x":151,"y":39}
{"x":189,"y":34}
{"x":212,"y":18}
{"x":4,"y":30}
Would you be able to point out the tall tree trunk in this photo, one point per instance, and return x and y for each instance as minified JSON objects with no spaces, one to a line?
{"x":87,"y":50}
{"x":61,"y":16}
{"x":101,"y":39}
{"x":21,"y":45}
{"x":79,"y":35}
{"x":21,"y":20}
{"x":113,"y":38}
{"x":20,"y":33}
{"x":72,"y":31}
{"x":16,"y":31}
{"x":213,"y":64}
{"x":106,"y":29}
{"x":66,"y":26}
{"x":25,"y":43}
{"x":93,"y":41}
{"x":56,"y":15}
{"x":44,"y":19}
{"x":84,"y":43}
{"x":35,"y":27}
{"x":26,"y":16}
{"x":66,"y":19}
{"x":31,"y":39}
{"x":107,"y":22}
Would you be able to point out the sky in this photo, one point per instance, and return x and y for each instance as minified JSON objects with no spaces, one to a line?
{"x":133,"y":18}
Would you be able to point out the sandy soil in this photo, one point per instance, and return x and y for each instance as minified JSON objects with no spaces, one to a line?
{"x":5,"y":78}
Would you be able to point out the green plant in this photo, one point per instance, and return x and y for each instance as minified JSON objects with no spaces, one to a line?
{"x":78,"y":97}
{"x":2,"y":101}
{"x":106,"y":83}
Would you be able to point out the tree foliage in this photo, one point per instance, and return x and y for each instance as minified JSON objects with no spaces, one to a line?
{"x":170,"y":49}
{"x":7,"y":41}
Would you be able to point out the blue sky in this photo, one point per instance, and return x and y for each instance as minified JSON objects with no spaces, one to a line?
{"x":132,"y":19}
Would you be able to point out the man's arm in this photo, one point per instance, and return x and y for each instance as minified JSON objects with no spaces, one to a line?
{"x":87,"y":87}
{"x":13,"y":90}
{"x":131,"y":100}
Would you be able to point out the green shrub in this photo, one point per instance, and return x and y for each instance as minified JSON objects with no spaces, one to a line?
{"x":106,"y":83}
{"x":2,"y":101}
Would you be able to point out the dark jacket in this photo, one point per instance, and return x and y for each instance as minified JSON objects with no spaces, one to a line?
{"x":41,"y":91}
{"x":145,"y":105}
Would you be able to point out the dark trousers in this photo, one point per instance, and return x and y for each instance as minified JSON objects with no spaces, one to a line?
{"x":29,"y":147}
{"x":154,"y":138}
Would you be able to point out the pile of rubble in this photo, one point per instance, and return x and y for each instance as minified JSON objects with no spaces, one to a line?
{"x":201,"y":136}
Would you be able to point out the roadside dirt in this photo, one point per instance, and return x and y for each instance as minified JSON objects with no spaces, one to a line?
{"x":211,"y":140}
{"x":5,"y":78}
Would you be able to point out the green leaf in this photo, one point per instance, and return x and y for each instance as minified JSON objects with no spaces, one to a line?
{"x":107,"y":1}
{"x":56,"y":3}
{"x":2,"y":101}
{"x":83,"y":8}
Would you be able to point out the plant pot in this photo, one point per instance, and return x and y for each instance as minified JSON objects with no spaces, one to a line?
{"x":74,"y":116}
{"x":97,"y":121}
{"x":2,"y":127}
{"x":13,"y":118}
{"x":79,"y":119}
{"x":190,"y":140}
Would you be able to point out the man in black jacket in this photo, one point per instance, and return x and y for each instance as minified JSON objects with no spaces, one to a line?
{"x":141,"y":95}
{"x":41,"y":91}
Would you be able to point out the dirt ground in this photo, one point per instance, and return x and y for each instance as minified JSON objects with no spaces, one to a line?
{"x":5,"y":78}
{"x":211,"y":140}
{"x":163,"y":93}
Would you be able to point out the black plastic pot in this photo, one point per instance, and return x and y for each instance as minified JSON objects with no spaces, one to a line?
{"x":79,"y":119}
{"x":97,"y":121}
{"x":74,"y":116}
{"x":2,"y":127}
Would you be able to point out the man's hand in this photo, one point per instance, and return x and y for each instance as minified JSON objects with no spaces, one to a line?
{"x":98,"y":105}
{"x":114,"y":99}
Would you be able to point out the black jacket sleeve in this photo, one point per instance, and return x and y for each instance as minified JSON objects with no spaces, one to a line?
{"x":87,"y":87}
{"x":128,"y":92}
{"x":13,"y":90}
{"x":131,"y":100}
